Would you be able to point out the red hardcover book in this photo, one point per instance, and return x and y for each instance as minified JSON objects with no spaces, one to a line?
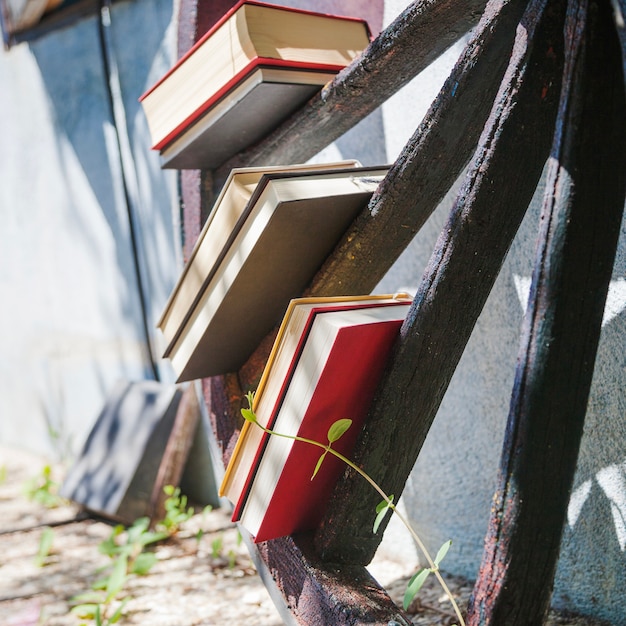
{"x":275,"y":45}
{"x":333,"y":376}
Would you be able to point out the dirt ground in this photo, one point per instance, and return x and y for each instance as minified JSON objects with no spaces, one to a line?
{"x":200,"y":578}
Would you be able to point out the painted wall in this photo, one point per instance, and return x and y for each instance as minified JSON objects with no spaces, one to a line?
{"x":71,"y":322}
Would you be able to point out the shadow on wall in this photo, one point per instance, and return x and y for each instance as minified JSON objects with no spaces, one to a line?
{"x":73,"y":70}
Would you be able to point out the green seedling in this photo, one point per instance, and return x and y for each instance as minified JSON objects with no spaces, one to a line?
{"x":126,"y":547}
{"x":335,"y":432}
{"x":45,"y":546}
{"x":43,"y":489}
{"x":176,"y":510}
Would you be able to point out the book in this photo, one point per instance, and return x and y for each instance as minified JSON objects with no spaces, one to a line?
{"x":144,"y":438}
{"x":216,"y":233}
{"x":249,"y":112}
{"x":298,"y":44}
{"x":290,"y":224}
{"x":324,"y":366}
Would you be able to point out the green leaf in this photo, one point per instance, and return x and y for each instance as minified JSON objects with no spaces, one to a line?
{"x":442,"y":552}
{"x":383,"y":504}
{"x":85,"y":611}
{"x":148,"y":538}
{"x":45,"y":545}
{"x":381,"y":511}
{"x":248,"y":415}
{"x":318,"y":465}
{"x":118,"y":576}
{"x":337,"y":430}
{"x":118,"y":612}
{"x":88,"y":597}
{"x":415,"y":584}
{"x":143,"y":563}
{"x":140,"y":525}
{"x":98,"y":616}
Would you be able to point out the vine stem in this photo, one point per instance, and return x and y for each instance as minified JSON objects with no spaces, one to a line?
{"x":434,"y":568}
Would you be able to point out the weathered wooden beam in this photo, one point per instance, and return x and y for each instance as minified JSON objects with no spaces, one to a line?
{"x":429,"y":164}
{"x":619,"y":16}
{"x":319,"y":593}
{"x":418,"y":36}
{"x":464,"y":265}
{"x":580,"y":226}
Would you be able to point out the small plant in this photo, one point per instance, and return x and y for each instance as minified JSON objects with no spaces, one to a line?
{"x":126,"y":547}
{"x":335,"y":432}
{"x":176,"y":510}
{"x":45,"y":546}
{"x":43,"y":489}
{"x":100,"y":605}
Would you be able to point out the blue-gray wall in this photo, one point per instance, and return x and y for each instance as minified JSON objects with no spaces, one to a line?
{"x":71,"y":322}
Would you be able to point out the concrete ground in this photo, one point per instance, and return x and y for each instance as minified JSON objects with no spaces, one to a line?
{"x":204,"y":578}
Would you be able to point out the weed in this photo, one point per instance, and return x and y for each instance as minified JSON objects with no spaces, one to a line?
{"x":43,"y":489}
{"x":176,"y":510}
{"x":126,"y":547}
{"x":335,"y":432}
{"x":45,"y":546}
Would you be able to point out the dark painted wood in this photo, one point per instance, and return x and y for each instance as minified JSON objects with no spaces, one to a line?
{"x":619,"y":16}
{"x":580,"y":226}
{"x":461,"y":272}
{"x":320,"y":593}
{"x":429,"y":164}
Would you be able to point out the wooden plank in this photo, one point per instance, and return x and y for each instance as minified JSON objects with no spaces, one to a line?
{"x":319,"y":593}
{"x":116,"y":471}
{"x":176,"y":451}
{"x":619,"y":15}
{"x":464,"y":265}
{"x":580,"y":226}
{"x":430,"y":163}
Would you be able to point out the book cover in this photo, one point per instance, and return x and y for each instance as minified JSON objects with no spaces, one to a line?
{"x":335,"y":377}
{"x":284,"y":239}
{"x":249,"y":111}
{"x":239,"y":193}
{"x":251,"y":35}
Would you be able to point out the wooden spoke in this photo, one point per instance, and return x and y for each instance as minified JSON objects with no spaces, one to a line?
{"x":580,"y":226}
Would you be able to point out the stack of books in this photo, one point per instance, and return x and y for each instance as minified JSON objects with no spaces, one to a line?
{"x":257,"y":65}
{"x":269,"y":232}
